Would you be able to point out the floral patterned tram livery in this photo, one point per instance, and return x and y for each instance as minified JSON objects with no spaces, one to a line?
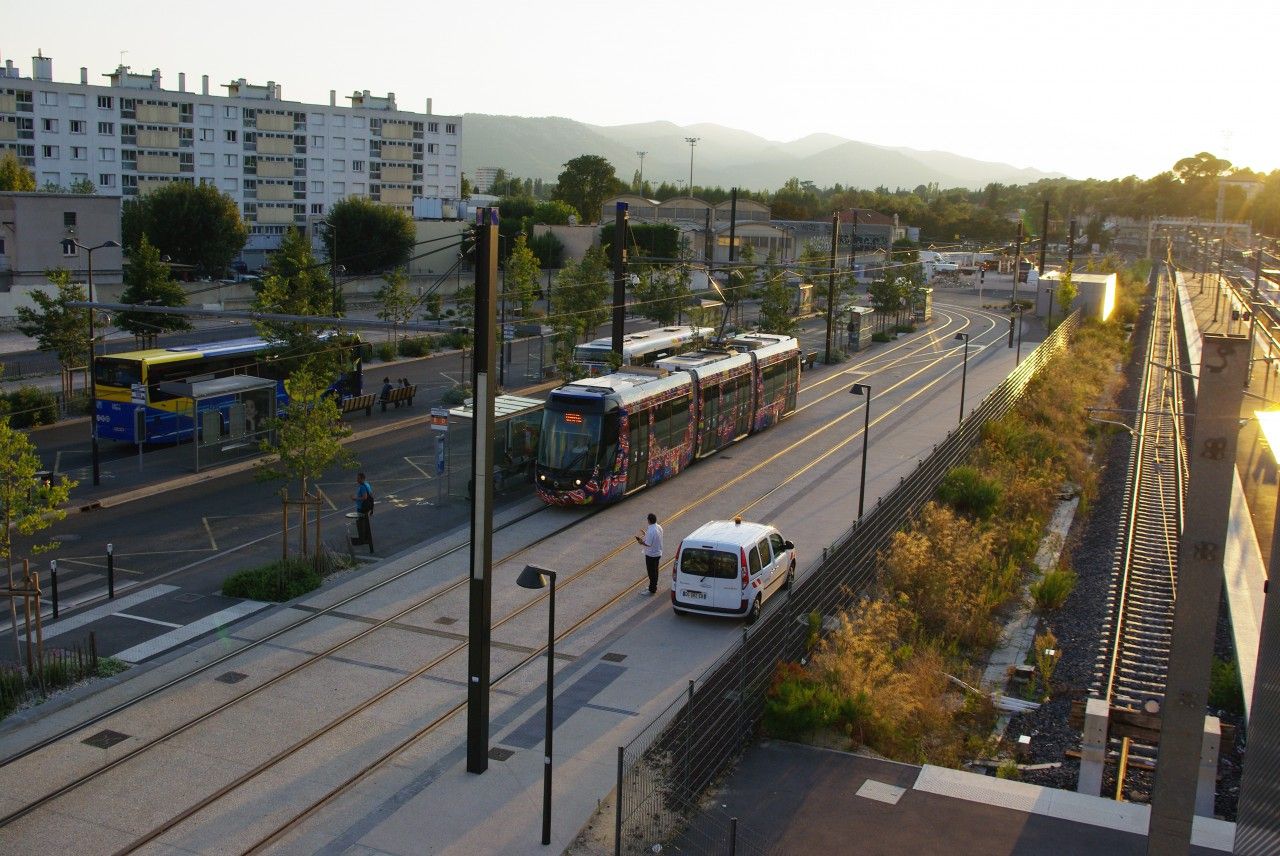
{"x":606,"y":437}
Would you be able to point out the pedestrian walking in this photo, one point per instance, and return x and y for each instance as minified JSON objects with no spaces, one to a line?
{"x":651,"y":540}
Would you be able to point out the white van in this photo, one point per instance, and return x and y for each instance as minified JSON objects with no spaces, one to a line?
{"x":728,"y":567}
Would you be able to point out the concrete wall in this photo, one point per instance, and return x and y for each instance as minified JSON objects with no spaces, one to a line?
{"x":33,"y":226}
{"x":576,"y":239}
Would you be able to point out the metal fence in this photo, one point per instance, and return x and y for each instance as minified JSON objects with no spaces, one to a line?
{"x":665,"y":770}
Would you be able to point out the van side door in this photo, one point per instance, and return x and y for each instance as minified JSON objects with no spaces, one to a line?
{"x":768,"y":564}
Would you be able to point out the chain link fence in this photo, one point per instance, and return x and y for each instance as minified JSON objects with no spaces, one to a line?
{"x":665,"y":770}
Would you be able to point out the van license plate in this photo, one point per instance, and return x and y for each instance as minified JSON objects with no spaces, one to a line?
{"x":694,"y":595}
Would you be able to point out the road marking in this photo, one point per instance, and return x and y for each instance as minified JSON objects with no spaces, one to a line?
{"x":410,"y":462}
{"x":186,"y":633}
{"x":144,"y":618}
{"x":325,"y":497}
{"x":207,"y":528}
{"x":89,"y":616}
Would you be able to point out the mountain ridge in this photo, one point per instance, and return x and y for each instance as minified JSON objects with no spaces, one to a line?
{"x":538,"y":147}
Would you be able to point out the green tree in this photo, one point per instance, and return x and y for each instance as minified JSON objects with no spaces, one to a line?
{"x":583,"y":291}
{"x":84,"y":187}
{"x":147,"y":280}
{"x":27,"y":505}
{"x":886,"y":297}
{"x":585,"y":183}
{"x":395,"y":303}
{"x":1066,"y":293}
{"x":367,"y":237}
{"x":56,"y":327}
{"x":292,"y":284}
{"x":306,"y":441}
{"x":14,"y":176}
{"x":520,"y":280}
{"x":776,"y":315}
{"x":192,"y":224}
{"x":553,"y":212}
{"x":661,"y":292}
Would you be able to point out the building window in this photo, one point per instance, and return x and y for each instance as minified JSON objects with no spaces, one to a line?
{"x":450,"y":150}
{"x":433,"y":169}
{"x":49,"y":152}
{"x":339,"y":166}
{"x":339,"y":121}
{"x":357,"y":166}
{"x":357,"y":121}
{"x":339,"y":188}
{"x":75,"y":100}
{"x":317,"y":208}
{"x":230,"y":136}
{"x":68,"y":219}
{"x":451,"y":128}
{"x":316,"y":118}
{"x":229,"y":160}
{"x":105,"y":154}
{"x":450,"y":169}
{"x":206,"y":159}
{"x":79,"y":177}
{"x":77,"y":126}
{"x":230,"y":112}
{"x":433,"y":148}
{"x":79,"y":153}
{"x":433,"y":127}
{"x":317,"y":164}
{"x":49,"y":126}
{"x":357,"y":144}
{"x":339,"y":142}
{"x":49,"y":99}
{"x":229,"y":185}
{"x":107,"y":129}
{"x":69,"y":248}
{"x":358,"y":188}
{"x":206,"y":135}
{"x":106,"y":179}
{"x":106,"y":102}
{"x":204,"y":110}
{"x":317,"y":187}
{"x":317,"y":142}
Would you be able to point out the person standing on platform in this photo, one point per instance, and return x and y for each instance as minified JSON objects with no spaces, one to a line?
{"x":651,"y":540}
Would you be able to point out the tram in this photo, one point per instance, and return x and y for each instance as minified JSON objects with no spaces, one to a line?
{"x":639,"y":349}
{"x":606,"y":437}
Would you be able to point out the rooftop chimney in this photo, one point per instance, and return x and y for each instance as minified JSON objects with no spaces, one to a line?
{"x":333,"y":98}
{"x":155,"y":78}
{"x":428,"y":106}
{"x":182,"y":81}
{"x":204,"y":84}
{"x":84,"y":75}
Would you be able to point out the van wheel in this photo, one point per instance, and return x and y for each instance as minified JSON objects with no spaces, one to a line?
{"x":791,"y":577}
{"x":754,"y":614}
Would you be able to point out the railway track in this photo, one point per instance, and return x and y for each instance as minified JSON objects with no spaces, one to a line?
{"x":916,"y":356}
{"x":1133,"y":663}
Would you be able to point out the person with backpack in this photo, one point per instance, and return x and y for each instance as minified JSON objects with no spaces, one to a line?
{"x":363,"y":498}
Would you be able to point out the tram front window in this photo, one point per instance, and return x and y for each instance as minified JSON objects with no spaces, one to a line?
{"x":570,"y":441}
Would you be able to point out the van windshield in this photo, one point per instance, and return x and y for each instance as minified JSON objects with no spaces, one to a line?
{"x":701,"y":562}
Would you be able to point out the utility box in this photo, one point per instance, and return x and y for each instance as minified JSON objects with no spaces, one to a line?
{"x":922,"y":306}
{"x":857,"y":327}
{"x":1095,"y":295}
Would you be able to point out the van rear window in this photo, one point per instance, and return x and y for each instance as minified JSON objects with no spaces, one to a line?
{"x":701,"y":562}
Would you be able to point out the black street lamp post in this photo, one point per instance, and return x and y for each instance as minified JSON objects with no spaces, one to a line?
{"x":1018,"y":359}
{"x":964,"y":371}
{"x":863,"y":389}
{"x":533,"y":577}
{"x":93,"y":386}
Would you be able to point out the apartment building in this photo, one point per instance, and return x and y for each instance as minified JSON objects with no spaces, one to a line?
{"x":283,"y":162}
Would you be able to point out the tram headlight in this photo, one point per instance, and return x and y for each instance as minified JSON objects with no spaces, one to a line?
{"x":577,"y":482}
{"x":542,"y":476}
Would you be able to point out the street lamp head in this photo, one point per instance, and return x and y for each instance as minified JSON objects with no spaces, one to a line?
{"x":533,"y":577}
{"x":105,"y":244}
{"x":860,"y":389}
{"x":962,"y":337}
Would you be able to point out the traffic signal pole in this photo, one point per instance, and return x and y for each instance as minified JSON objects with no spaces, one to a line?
{"x":619,"y":275}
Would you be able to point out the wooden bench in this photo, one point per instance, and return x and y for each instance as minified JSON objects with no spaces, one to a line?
{"x":352,"y":403}
{"x":399,"y":394}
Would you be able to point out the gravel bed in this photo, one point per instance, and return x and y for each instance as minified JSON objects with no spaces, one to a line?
{"x":1091,"y":550}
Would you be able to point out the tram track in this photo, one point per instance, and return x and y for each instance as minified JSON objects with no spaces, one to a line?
{"x":347,"y":716}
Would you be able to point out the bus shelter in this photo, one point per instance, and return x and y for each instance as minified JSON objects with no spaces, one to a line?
{"x":857,"y":327}
{"x":517,"y":424}
{"x":922,"y":305}
{"x":230,"y":415}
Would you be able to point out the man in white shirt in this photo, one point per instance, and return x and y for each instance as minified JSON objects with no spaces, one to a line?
{"x":651,"y":540}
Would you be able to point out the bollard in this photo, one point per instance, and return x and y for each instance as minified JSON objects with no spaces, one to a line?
{"x":53,"y":582}
{"x":733,"y":836}
{"x":111,"y":572}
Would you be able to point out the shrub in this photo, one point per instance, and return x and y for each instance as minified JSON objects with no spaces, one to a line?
{"x":905,"y":328}
{"x":281,"y":580}
{"x":881,"y":337}
{"x":414,"y":347}
{"x":969,"y":492}
{"x":28,"y":406}
{"x":456,"y":395}
{"x":1224,"y":687}
{"x":386,"y":352}
{"x":814,"y":633}
{"x":1051,"y":591}
{"x":1008,"y":769}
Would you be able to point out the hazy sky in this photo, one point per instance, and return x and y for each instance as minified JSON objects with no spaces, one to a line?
{"x":1087,"y":88}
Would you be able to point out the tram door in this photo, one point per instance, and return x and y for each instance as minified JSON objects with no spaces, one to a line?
{"x":638,"y":465}
{"x":709,"y":426}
